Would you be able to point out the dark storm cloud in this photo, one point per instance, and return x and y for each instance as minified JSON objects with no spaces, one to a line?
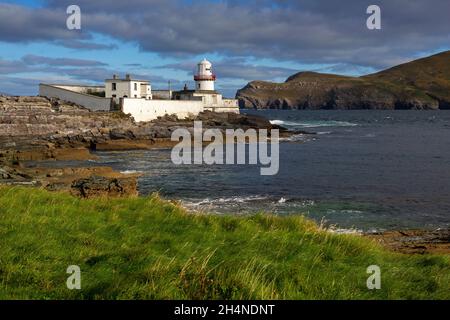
{"x":33,"y":63}
{"x":85,"y":45}
{"x":232,"y":69}
{"x":41,"y":60}
{"x":81,"y":69}
{"x":62,"y":70}
{"x":22,"y":24}
{"x":303,"y":31}
{"x":307,"y":31}
{"x":10,"y":66}
{"x":100,"y":74}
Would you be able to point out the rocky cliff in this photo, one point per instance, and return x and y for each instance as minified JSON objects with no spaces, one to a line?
{"x":421,"y":84}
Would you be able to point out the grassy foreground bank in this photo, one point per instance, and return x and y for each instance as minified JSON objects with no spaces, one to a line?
{"x":147,"y":248}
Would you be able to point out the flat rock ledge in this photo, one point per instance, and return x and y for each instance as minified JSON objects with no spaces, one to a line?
{"x":415,"y":241}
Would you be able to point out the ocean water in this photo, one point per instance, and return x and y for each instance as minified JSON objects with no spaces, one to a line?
{"x":368,"y":170}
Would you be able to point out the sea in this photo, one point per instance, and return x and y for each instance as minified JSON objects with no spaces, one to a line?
{"x":365,"y":170}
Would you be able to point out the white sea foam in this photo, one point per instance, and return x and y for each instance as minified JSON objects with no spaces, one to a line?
{"x":130,"y":172}
{"x":296,"y":138}
{"x":313,"y":124}
{"x":226,"y":200}
{"x":277,"y":122}
{"x":348,"y":211}
{"x":247,"y":203}
{"x":336,"y":230}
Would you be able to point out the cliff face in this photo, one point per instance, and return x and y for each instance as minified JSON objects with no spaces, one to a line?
{"x":421,"y":84}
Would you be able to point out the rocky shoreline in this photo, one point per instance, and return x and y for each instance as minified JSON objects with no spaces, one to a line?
{"x":415,"y":241}
{"x":37,"y":129}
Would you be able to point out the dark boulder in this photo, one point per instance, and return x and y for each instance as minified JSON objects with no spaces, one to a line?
{"x":96,"y":186}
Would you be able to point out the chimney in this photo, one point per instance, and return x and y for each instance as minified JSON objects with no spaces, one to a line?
{"x":128,"y":77}
{"x":114,"y":76}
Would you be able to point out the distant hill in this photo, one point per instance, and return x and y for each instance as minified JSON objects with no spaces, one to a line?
{"x":420,"y":84}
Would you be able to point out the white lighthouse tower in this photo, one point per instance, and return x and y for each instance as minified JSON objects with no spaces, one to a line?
{"x":205,"y":78}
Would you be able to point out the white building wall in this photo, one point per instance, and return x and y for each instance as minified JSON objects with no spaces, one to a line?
{"x":122,"y":89}
{"x":210,"y":100}
{"x":90,"y":102}
{"x":146,"y":91}
{"x":228,"y":105}
{"x":135,"y":89}
{"x":148,"y":110}
{"x":127,"y":88}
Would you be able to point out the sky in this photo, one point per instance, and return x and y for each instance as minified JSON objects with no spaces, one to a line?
{"x":246,"y":40}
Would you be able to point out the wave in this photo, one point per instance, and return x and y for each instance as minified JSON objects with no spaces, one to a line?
{"x":297,"y":138}
{"x":345,"y":211}
{"x":337,"y":230}
{"x":130,"y":172}
{"x":219,"y":201}
{"x":313,"y":123}
{"x":277,"y":122}
{"x":247,"y":203}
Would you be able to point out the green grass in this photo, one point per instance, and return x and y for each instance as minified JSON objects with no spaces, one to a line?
{"x":148,"y":248}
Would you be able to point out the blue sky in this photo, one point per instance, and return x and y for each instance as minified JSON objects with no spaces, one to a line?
{"x":161,"y":40}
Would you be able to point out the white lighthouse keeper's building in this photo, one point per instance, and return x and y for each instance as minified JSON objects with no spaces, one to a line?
{"x":205,"y":78}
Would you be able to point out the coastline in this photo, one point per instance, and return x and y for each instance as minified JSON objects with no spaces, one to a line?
{"x":96,"y":182}
{"x":120,"y":133}
{"x":41,"y":129}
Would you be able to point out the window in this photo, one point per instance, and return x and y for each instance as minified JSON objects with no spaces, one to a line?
{"x":114,"y":86}
{"x":135,"y":87}
{"x":135,"y":95}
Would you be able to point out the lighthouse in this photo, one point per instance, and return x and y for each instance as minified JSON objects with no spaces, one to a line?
{"x":205,"y":78}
